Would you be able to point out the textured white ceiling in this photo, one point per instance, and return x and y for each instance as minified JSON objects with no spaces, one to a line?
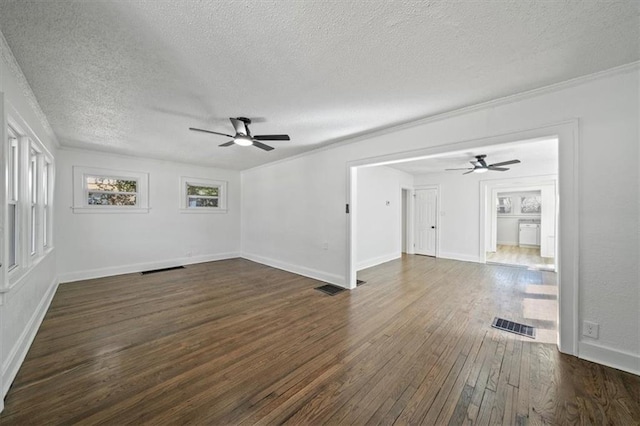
{"x":535,"y":156}
{"x":131,"y":77}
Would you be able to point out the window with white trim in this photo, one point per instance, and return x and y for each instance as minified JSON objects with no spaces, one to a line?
{"x":28,"y":221}
{"x":103,"y":190}
{"x":203,"y":195}
{"x":33,"y":201}
{"x":46,"y":201}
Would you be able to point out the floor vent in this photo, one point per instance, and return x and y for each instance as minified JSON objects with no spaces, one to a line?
{"x":360,"y":282}
{"x":514,"y":327}
{"x":153,"y":271}
{"x":329,"y":289}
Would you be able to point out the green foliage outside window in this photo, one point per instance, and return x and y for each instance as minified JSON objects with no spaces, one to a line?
{"x":202,"y":191}
{"x":111,"y":185}
{"x":107,"y":191}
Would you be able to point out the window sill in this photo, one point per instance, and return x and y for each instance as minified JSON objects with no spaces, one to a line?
{"x":206,"y":210}
{"x":90,"y":210}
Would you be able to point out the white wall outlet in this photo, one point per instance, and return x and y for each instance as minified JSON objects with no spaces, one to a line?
{"x":590,"y":329}
{"x":325,"y":246}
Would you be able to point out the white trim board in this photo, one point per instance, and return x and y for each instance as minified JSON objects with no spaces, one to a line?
{"x":460,"y":257}
{"x":364,"y":264}
{"x":599,"y":354}
{"x":296,"y":269}
{"x":139,"y":267}
{"x":346,"y":140}
{"x":18,"y":352}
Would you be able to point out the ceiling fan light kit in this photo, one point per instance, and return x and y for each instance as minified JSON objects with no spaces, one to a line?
{"x":242,"y":140}
{"x":243,"y":135}
{"x":481,"y":166}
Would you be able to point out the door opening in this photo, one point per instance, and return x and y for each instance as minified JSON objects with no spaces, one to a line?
{"x":522,"y":231}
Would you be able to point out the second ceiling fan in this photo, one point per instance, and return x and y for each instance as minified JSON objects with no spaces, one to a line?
{"x":481,"y":166}
{"x":243,"y":136}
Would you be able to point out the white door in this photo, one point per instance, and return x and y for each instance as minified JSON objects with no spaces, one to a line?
{"x":425,"y":225}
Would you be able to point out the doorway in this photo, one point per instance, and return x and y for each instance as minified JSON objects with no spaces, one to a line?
{"x":521,"y":222}
{"x":523,"y":228}
{"x":567,"y":229}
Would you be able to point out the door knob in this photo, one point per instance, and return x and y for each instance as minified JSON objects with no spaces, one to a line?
{"x":433,"y":227}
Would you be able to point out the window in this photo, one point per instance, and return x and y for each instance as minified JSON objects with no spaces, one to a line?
{"x":28,"y":196}
{"x":12,"y":200}
{"x":203,"y":195}
{"x":504,"y":205}
{"x":102,"y":190}
{"x":46,"y":213}
{"x":111,"y":191}
{"x":33,"y":201}
{"x":531,"y":205}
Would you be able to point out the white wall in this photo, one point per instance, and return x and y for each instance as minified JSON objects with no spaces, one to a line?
{"x":286,"y":230}
{"x":100,"y":244}
{"x":379,"y":232}
{"x":24,"y":299}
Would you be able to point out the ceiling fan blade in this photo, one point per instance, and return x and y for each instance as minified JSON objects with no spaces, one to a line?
{"x":272,"y":137}
{"x":227,"y":143}
{"x":498,"y":169}
{"x":239,"y":125}
{"x":262,"y":146}
{"x":470,"y":171}
{"x":505,"y":163}
{"x":466,"y":168}
{"x":209,"y":131}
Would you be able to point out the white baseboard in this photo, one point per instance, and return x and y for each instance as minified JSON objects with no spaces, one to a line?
{"x":139,"y":267}
{"x":507,"y":243}
{"x":458,"y":256}
{"x":377,"y":260}
{"x":296,"y":269}
{"x":18,"y":352}
{"x":621,"y":360}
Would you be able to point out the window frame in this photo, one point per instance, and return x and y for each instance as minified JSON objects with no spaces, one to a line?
{"x":47,"y":211}
{"x":211,"y":183}
{"x":498,"y":205}
{"x":521,"y":199}
{"x":33,"y":183}
{"x":13,"y":198}
{"x":81,"y":192}
{"x":25,"y":155}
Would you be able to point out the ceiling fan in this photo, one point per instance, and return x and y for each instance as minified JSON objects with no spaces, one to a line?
{"x":480,"y":166}
{"x":243,"y":136}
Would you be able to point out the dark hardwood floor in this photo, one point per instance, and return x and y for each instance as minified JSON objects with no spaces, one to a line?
{"x":236,"y":342}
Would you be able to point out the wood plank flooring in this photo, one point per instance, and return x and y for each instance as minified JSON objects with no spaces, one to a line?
{"x":236,"y":342}
{"x":521,"y":256}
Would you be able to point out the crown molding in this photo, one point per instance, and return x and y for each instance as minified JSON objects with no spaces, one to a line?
{"x":347,"y":140}
{"x":7,"y":56}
